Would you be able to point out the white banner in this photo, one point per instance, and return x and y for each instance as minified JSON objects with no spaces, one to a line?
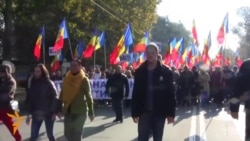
{"x":98,"y":88}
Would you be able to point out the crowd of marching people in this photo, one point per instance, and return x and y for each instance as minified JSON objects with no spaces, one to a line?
{"x":155,"y":86}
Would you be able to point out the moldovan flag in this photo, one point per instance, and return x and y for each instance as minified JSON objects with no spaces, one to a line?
{"x":90,"y":48}
{"x":62,"y":34}
{"x":38,"y":45}
{"x":194,"y":33}
{"x":56,"y":63}
{"x":141,"y":46}
{"x":123,"y":45}
{"x":100,"y":41}
{"x":223,"y":31}
{"x":79,"y":49}
{"x":205,"y":56}
{"x":238,"y":60}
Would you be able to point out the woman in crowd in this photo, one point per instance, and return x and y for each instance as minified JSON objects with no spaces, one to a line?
{"x":42,"y":101}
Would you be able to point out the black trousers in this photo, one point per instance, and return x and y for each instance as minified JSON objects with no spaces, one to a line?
{"x":117,"y":104}
{"x":247,"y":138}
{"x":149,"y":123}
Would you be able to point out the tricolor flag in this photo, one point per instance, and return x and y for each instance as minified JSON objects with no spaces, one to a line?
{"x":56,"y":63}
{"x":123,"y":45}
{"x":238,"y":60}
{"x":175,"y":51}
{"x":90,"y":48}
{"x":100,"y":41}
{"x":194,"y":34}
{"x":205,"y":56}
{"x":62,"y":34}
{"x":38,"y":45}
{"x":141,"y":46}
{"x":223,"y":31}
{"x":79,"y":49}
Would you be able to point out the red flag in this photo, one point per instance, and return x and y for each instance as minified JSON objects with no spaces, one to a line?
{"x":194,"y":33}
{"x":38,"y":45}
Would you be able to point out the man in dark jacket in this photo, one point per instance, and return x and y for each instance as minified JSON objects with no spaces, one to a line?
{"x":115,"y":89}
{"x":241,"y":90}
{"x":153,"y":97}
{"x":7,"y":91}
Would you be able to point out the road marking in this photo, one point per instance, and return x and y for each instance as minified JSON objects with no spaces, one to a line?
{"x":202,"y":126}
{"x":193,"y":125}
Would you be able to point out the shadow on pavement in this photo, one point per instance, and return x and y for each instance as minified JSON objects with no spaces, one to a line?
{"x":41,"y":134}
{"x":194,"y":138}
{"x":89,"y":131}
{"x":183,"y":113}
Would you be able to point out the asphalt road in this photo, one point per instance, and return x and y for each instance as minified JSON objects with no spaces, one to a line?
{"x":191,"y":124}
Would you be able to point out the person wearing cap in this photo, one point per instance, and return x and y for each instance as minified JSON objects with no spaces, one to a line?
{"x":153,"y":96}
{"x":7,"y":91}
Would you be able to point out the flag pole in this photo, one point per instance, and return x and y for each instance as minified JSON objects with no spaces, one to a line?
{"x":94,"y":58}
{"x":70,"y":47}
{"x":105,"y":57}
{"x":44,"y":60}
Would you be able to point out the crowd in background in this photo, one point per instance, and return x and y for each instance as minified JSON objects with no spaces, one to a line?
{"x":213,"y":85}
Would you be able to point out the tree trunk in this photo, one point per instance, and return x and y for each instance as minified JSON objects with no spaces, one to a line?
{"x":7,"y":47}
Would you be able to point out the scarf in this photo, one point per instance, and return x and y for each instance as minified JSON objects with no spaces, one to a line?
{"x":71,"y":86}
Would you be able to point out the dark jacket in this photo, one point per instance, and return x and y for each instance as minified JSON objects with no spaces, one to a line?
{"x":42,"y":98}
{"x":162,"y":91}
{"x":115,"y":86}
{"x":7,"y":88}
{"x":241,"y":85}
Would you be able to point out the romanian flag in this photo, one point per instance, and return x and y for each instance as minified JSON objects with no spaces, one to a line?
{"x":172,"y":45}
{"x":56,"y":63}
{"x":218,"y":61}
{"x":79,"y":50}
{"x":123,"y":45}
{"x":238,"y":60}
{"x":38,"y":45}
{"x":175,"y":51}
{"x":223,"y":31}
{"x":100,"y":42}
{"x":176,"y":55}
{"x":141,"y":46}
{"x":62,"y":34}
{"x":195,"y":55}
{"x":90,"y":48}
{"x":195,"y":35}
{"x":205,"y":56}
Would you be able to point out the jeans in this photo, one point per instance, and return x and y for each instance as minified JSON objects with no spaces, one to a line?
{"x":204,"y":98}
{"x":73,"y":126}
{"x":35,"y":127}
{"x":8,"y":122}
{"x":117,"y":107}
{"x":149,"y":123}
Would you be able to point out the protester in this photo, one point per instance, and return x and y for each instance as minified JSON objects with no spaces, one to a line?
{"x":42,"y":103}
{"x":115,"y":89}
{"x":204,"y":80}
{"x":186,"y":82}
{"x":153,"y":97}
{"x":241,"y":87}
{"x":77,"y":99}
{"x":7,"y":91}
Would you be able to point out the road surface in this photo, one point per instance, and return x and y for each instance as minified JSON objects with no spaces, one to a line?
{"x":191,"y":124}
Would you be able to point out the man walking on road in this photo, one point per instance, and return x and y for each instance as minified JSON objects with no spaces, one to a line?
{"x":115,"y":88}
{"x":241,"y":90}
{"x":153,"y":97}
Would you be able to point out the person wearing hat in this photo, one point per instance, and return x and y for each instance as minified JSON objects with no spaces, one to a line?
{"x":153,"y":96}
{"x":7,"y":91}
